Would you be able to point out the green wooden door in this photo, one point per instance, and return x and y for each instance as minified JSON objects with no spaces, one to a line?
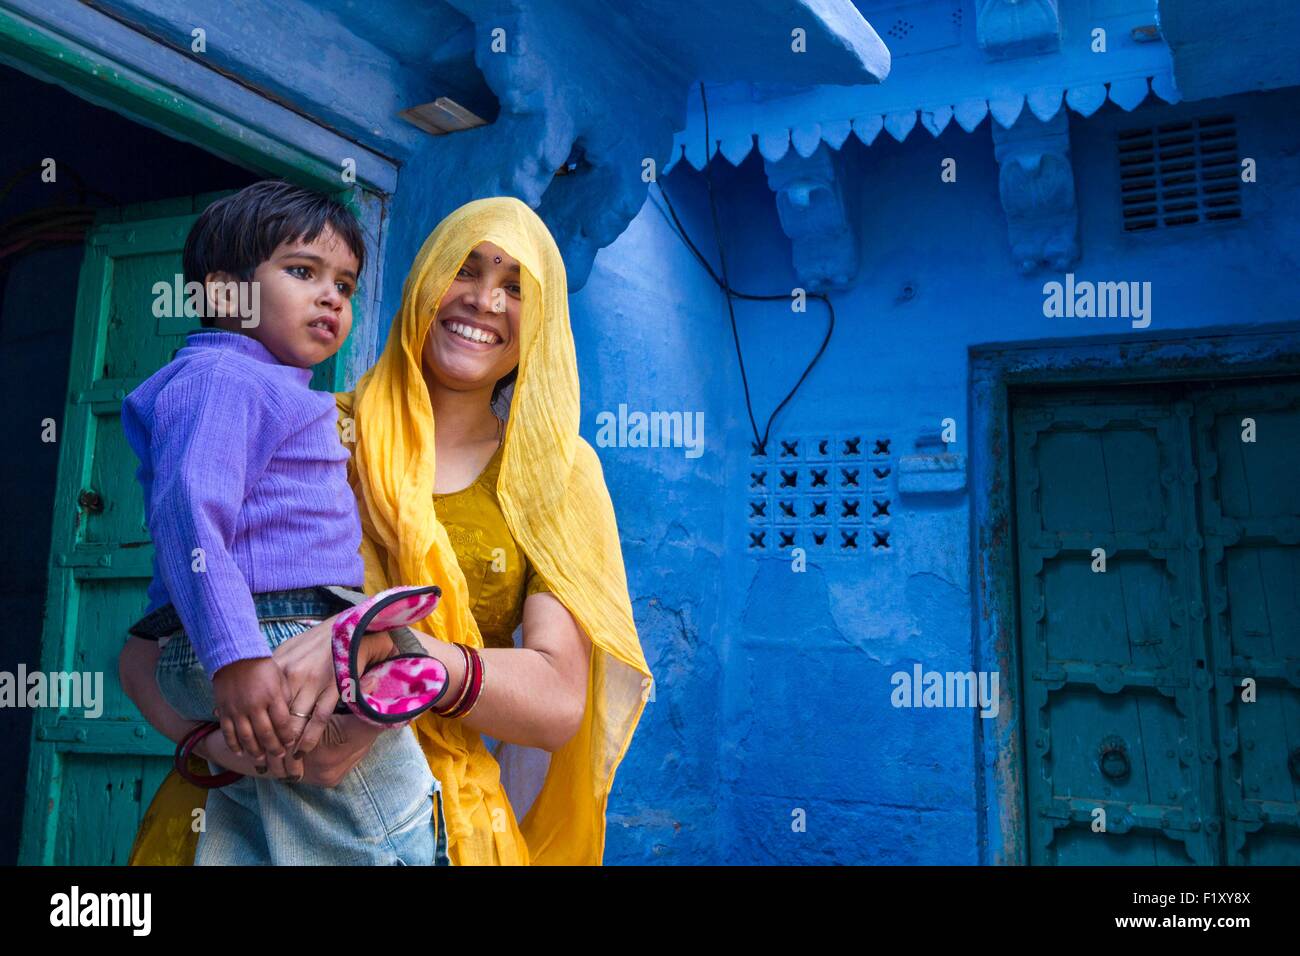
{"x":1132,"y":506}
{"x":90,"y":778}
{"x":1250,"y":499}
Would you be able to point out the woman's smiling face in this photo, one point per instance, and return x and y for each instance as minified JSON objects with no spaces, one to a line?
{"x":474,"y":338}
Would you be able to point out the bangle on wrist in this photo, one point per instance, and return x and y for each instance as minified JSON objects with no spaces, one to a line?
{"x":476,"y":692}
{"x":454,"y":700}
{"x":472,"y":688}
{"x":186,"y":748}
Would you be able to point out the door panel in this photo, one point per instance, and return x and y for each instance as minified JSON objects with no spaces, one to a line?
{"x":90,"y":777}
{"x":1251,"y":504}
{"x":1117,"y":721}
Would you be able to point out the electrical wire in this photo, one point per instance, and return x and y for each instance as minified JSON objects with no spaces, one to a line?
{"x":723,"y":282}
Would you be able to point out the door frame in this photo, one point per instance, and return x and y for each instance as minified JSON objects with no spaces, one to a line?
{"x":995,"y":369}
{"x":110,"y":64}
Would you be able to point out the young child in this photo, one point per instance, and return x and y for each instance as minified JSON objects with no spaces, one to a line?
{"x":251,"y":515}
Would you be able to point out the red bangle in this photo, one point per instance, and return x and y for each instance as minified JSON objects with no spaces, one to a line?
{"x":182,"y":760}
{"x":450,"y":709}
{"x":478,"y":685}
{"x":474,"y":682}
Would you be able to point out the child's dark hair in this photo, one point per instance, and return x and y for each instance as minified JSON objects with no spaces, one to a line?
{"x":238,"y":233}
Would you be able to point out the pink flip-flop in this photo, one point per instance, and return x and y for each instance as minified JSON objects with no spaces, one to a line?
{"x":399,"y":689}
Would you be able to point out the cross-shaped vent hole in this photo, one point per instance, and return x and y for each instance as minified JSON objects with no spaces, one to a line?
{"x":881,"y":507}
{"x":787,"y":539}
{"x":789,"y":479}
{"x":879,"y":472}
{"x":787,"y":509}
{"x":882,"y":539}
{"x":758,"y":479}
{"x":850,"y":506}
{"x":758,"y":509}
{"x":789,"y":449}
{"x":756,"y":539}
{"x":819,"y":509}
{"x":849,"y":476}
{"x":848,"y":540}
{"x":851,"y":446}
{"x":882,"y":447}
{"x":819,"y":477}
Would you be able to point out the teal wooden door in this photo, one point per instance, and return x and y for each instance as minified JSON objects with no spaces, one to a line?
{"x":90,"y":778}
{"x":1250,"y":499}
{"x":1139,"y":748}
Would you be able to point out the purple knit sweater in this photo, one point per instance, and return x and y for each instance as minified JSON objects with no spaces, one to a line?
{"x":239,"y":457}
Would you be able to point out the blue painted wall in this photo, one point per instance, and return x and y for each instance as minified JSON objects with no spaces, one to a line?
{"x":774,"y":687}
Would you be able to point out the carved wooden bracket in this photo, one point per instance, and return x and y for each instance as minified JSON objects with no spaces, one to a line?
{"x":1036,"y":180}
{"x":810,"y":202}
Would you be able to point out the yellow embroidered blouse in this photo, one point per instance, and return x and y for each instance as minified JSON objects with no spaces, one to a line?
{"x":498,"y":575}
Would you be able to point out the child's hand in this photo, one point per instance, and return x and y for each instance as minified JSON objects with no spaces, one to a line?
{"x":252,"y":705}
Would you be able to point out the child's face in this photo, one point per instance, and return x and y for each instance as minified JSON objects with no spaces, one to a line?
{"x":304,"y":300}
{"x":483,"y":303}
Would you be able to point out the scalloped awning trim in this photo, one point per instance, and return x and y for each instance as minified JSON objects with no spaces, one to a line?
{"x":1043,"y":102}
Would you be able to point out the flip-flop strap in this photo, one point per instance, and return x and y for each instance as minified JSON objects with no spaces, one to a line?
{"x":358,"y":702}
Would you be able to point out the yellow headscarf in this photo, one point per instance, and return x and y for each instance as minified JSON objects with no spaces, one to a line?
{"x":553,"y":495}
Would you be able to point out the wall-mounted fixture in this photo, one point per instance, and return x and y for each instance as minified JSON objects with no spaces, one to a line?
{"x":443,"y":115}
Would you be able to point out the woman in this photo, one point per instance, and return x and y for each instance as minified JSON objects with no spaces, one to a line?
{"x":486,"y":297}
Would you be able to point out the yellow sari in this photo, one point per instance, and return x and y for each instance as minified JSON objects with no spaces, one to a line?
{"x":553,"y":495}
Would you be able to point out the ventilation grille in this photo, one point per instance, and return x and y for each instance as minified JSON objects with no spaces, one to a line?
{"x":1179,"y":174}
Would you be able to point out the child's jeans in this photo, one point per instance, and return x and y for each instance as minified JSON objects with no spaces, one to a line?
{"x":386,"y":811}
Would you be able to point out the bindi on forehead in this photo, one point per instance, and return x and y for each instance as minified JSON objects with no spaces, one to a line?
{"x":496,"y":258}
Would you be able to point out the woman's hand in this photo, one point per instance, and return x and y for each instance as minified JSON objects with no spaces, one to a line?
{"x":214,"y":748}
{"x":346,"y":740}
{"x":307,"y":661}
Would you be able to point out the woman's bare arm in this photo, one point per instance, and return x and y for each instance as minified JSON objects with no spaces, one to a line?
{"x":135,"y":668}
{"x":535,"y":695}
